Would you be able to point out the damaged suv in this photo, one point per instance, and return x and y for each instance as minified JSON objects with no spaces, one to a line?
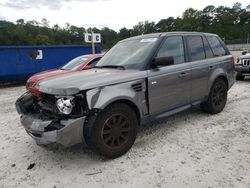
{"x":139,"y":80}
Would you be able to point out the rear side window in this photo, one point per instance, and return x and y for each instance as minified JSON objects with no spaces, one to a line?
{"x":209,"y":53}
{"x":196,"y":48}
{"x":173,"y":46}
{"x":216,"y":46}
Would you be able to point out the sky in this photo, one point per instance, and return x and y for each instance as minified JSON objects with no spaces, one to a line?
{"x":114,"y":14}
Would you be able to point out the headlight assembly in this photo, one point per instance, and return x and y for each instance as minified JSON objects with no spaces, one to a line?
{"x":65,"y":105}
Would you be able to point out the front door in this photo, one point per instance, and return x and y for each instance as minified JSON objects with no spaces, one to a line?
{"x":169,"y":87}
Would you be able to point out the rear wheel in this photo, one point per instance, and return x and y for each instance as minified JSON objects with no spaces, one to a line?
{"x":239,"y":76}
{"x":217,"y":98}
{"x":113,"y":131}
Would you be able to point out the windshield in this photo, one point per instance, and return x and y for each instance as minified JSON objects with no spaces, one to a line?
{"x":75,"y":63}
{"x":128,"y":54}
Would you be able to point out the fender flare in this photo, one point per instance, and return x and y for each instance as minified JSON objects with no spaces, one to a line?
{"x":218,"y":73}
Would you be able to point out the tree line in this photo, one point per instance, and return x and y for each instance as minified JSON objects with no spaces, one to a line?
{"x":232,"y":24}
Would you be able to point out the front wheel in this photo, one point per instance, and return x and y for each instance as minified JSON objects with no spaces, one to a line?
{"x":112,"y":133}
{"x":217,"y":98}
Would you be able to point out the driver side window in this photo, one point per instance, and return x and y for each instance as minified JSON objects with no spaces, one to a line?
{"x":173,"y":46}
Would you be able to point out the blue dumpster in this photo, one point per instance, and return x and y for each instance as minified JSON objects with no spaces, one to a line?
{"x":18,"y":63}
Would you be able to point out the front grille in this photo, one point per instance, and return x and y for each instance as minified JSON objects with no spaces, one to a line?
{"x":49,"y":108}
{"x":48,"y":103}
{"x":246,"y":62}
{"x":48,"y":98}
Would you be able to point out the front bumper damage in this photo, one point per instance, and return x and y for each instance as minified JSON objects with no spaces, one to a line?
{"x":47,"y":127}
{"x":70,"y":134}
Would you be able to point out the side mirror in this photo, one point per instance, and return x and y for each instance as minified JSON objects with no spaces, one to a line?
{"x":164,"y":61}
{"x":244,"y":53}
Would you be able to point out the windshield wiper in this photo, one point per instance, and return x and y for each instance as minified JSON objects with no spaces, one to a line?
{"x":111,"y":66}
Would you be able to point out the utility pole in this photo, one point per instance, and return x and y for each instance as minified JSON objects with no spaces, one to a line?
{"x":93,"y":42}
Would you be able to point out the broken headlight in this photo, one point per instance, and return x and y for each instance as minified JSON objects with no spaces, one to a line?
{"x":65,"y":105}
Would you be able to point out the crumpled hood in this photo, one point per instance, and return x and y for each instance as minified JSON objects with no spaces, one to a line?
{"x":72,"y":83}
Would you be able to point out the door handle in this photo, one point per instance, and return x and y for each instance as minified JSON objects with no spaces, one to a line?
{"x":211,"y":67}
{"x":154,"y":82}
{"x":183,"y":74}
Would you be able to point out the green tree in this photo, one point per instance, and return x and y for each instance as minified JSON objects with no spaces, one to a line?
{"x":231,"y":23}
{"x":20,"y":21}
{"x":42,"y":40}
{"x":124,"y":33}
{"x":45,"y":22}
{"x":166,"y":25}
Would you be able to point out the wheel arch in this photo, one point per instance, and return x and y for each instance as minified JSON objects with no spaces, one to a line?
{"x":131,"y":104}
{"x":209,"y":105}
{"x":222,"y":77}
{"x":218,"y":74}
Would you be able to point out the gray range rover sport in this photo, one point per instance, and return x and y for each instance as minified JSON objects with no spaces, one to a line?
{"x":140,"y":79}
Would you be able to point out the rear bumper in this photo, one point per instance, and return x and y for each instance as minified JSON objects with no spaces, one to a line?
{"x":70,"y":133}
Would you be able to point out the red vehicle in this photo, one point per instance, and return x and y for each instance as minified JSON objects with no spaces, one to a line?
{"x":80,"y":63}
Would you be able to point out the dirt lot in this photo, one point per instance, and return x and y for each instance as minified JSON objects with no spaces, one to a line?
{"x":190,"y":149}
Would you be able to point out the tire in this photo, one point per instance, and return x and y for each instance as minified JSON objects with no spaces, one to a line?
{"x":217,"y":98}
{"x":113,"y":131}
{"x":239,"y":76}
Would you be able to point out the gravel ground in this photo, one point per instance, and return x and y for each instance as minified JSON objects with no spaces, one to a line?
{"x":190,"y":149}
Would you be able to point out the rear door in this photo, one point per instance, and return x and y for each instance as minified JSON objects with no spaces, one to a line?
{"x":206,"y":54}
{"x":201,"y":67}
{"x":169,"y":87}
{"x":223,"y":60}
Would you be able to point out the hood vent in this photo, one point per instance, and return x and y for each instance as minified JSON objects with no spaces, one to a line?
{"x":137,"y":87}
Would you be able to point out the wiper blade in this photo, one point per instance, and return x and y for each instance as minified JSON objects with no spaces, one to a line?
{"x":111,"y":66}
